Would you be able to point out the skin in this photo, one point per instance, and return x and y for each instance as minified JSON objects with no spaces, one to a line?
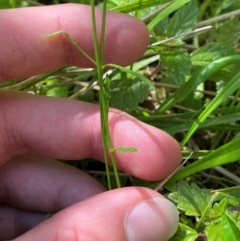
{"x":35,"y":130}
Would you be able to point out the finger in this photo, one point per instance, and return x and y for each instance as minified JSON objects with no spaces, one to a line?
{"x":15,"y":222}
{"x":68,"y":129}
{"x":39,"y":185}
{"x":139,"y":214}
{"x":126,"y":39}
{"x":44,"y":185}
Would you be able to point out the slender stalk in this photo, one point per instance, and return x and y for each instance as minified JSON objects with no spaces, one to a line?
{"x":99,"y":55}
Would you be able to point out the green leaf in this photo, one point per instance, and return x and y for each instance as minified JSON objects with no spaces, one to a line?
{"x":161,"y":28}
{"x":145,"y":62}
{"x":234,"y":213}
{"x":125,"y":149}
{"x":166,"y":11}
{"x":198,"y":77}
{"x":184,"y":233}
{"x":53,"y":90}
{"x":230,"y":32}
{"x":186,"y":124}
{"x":230,"y":229}
{"x":126,"y":94}
{"x":225,"y":154}
{"x":8,"y":4}
{"x":131,"y":6}
{"x":214,"y":232}
{"x":190,"y":198}
{"x":183,"y":20}
{"x":218,"y":209}
{"x":210,"y":52}
{"x":177,"y":63}
{"x":230,"y":87}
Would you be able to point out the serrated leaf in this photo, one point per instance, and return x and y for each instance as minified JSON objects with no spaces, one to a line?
{"x":190,"y":198}
{"x":125,"y":149}
{"x":214,"y":232}
{"x":161,"y":28}
{"x":170,"y":8}
{"x":183,"y":20}
{"x":230,"y":229}
{"x":230,"y":32}
{"x":177,"y":63}
{"x":218,"y":209}
{"x":184,"y":233}
{"x":210,"y":52}
{"x":126,"y":94}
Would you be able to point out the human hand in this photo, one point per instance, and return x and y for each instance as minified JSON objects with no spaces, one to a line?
{"x":36,"y":129}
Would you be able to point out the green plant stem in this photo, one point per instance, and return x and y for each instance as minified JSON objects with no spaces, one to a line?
{"x":99,"y":55}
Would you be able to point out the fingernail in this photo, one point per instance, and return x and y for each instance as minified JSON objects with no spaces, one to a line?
{"x":152,"y":220}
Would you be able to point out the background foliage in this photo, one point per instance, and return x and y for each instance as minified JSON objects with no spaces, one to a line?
{"x":187,"y":83}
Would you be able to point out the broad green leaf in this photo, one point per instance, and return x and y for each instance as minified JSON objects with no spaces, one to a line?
{"x":225,"y":154}
{"x":230,"y":32}
{"x":126,"y":94}
{"x":161,"y":28}
{"x":125,"y":149}
{"x":190,"y":198}
{"x":214,"y":232}
{"x":184,"y":233}
{"x":183,"y":20}
{"x":230,"y":87}
{"x":166,"y":11}
{"x":230,"y":229}
{"x":210,"y":52}
{"x":198,"y":77}
{"x":177,"y":63}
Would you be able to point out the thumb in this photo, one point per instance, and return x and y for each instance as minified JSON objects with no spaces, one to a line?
{"x":132,"y":214}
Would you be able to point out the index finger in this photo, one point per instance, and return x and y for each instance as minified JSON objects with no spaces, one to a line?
{"x":70,"y":130}
{"x":21,"y":51}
